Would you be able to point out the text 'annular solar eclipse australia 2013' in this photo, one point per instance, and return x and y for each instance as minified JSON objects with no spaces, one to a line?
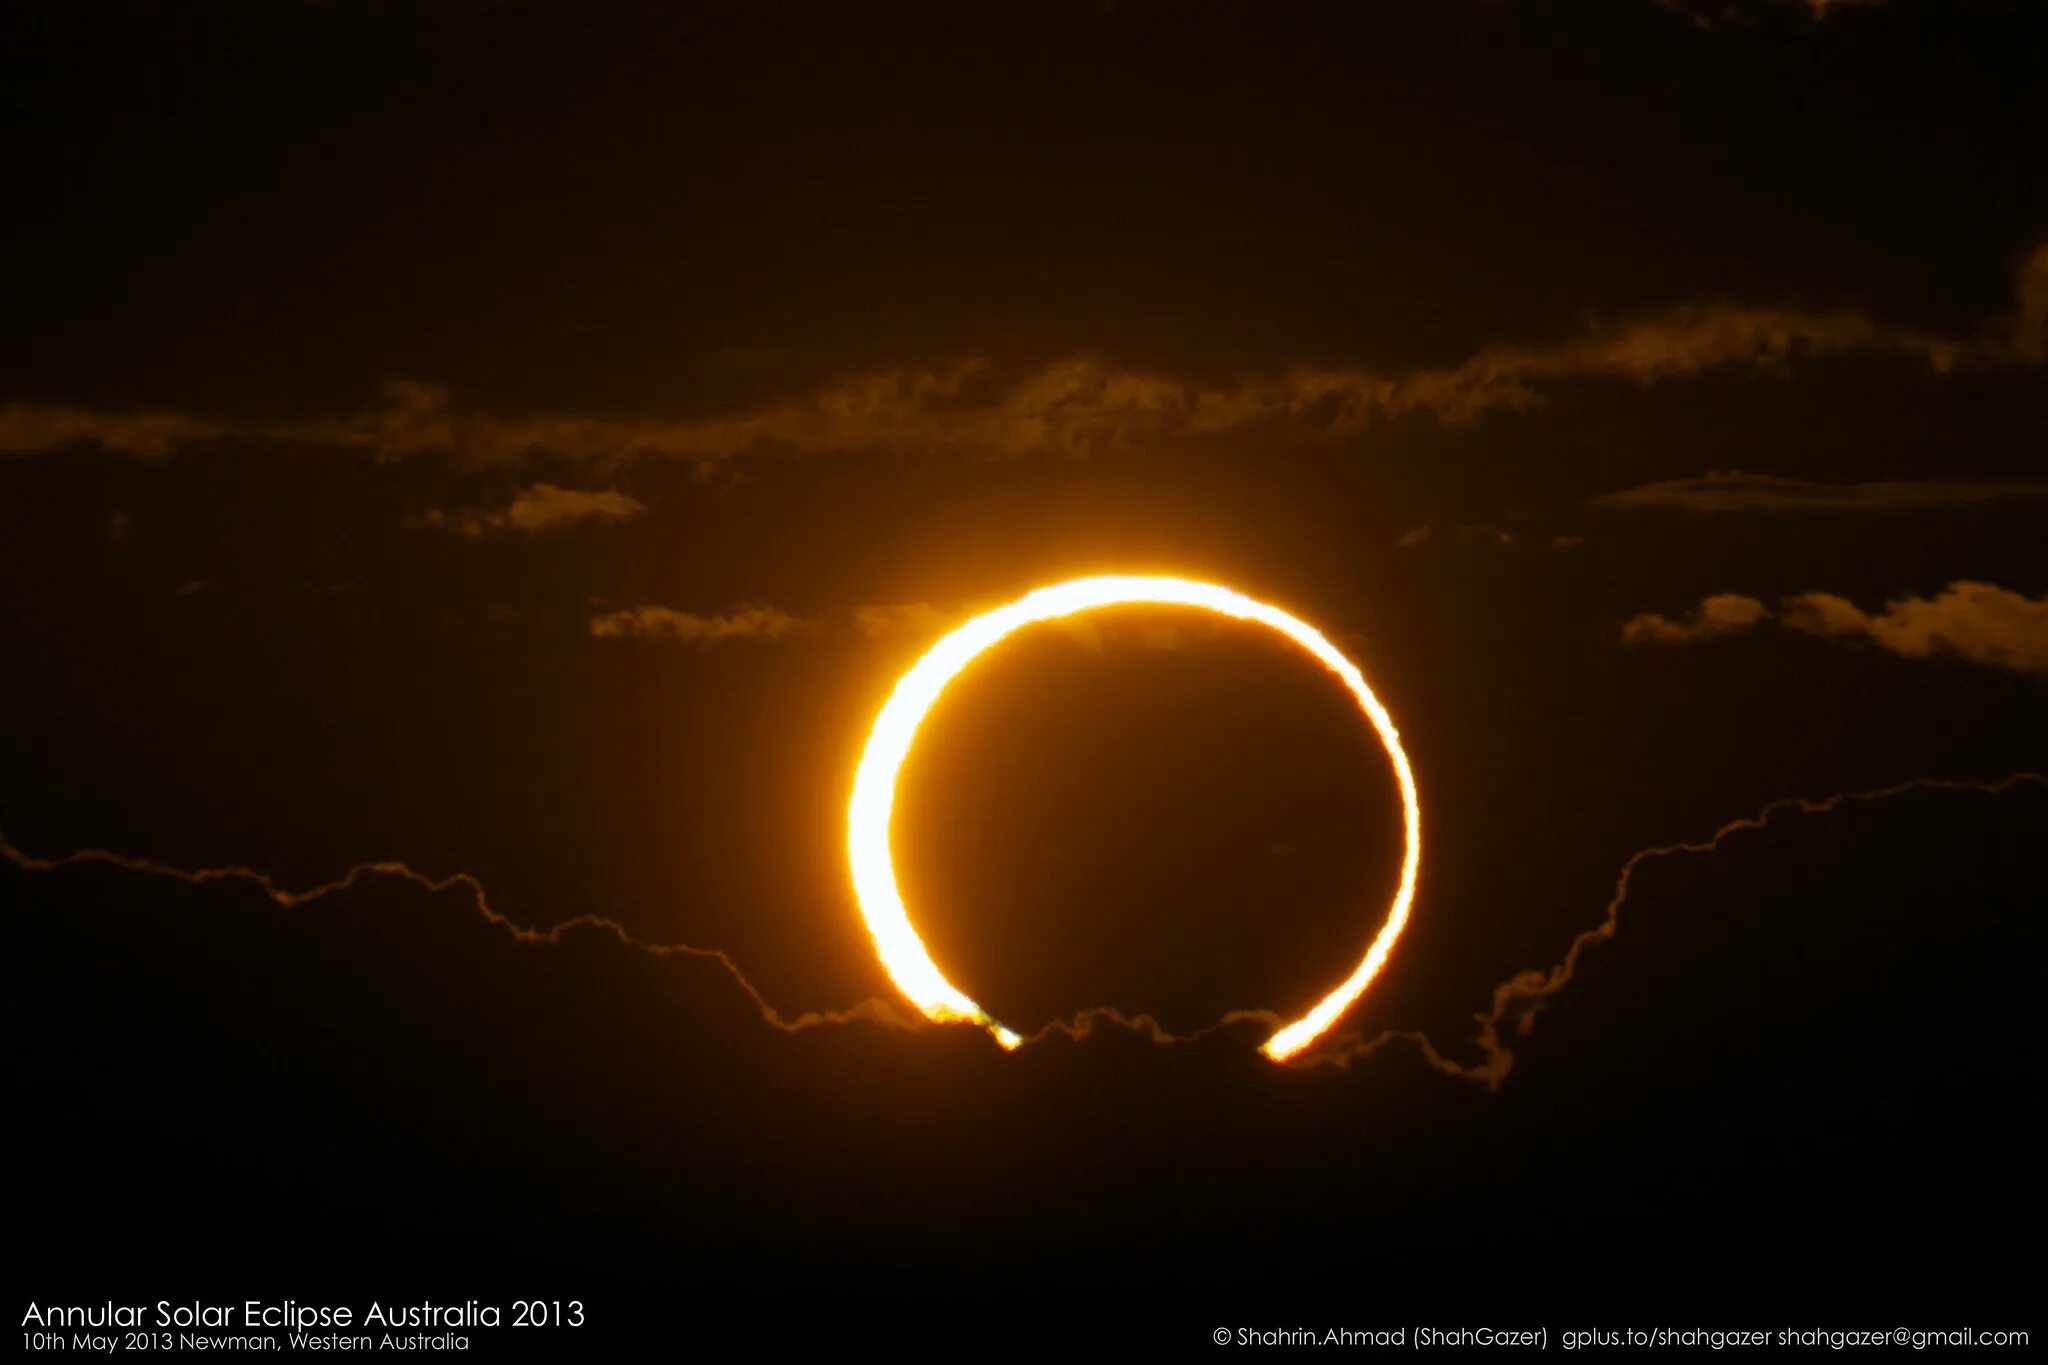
{"x":903,"y":953}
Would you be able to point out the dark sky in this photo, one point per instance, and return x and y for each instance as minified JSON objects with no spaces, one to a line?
{"x":528,"y":441}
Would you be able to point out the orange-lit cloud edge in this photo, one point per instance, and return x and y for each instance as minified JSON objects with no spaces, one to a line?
{"x":897,"y":944}
{"x":1512,"y":1013}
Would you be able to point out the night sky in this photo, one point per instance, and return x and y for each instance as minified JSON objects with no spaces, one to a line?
{"x":521,"y":445}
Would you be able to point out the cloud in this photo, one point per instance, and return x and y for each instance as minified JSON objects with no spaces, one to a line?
{"x":1723,"y":614}
{"x":26,"y":428}
{"x":538,"y":507}
{"x":1733,"y":491}
{"x":750,"y":622}
{"x":544,"y":506}
{"x":1086,"y":404}
{"x":886,"y":620}
{"x":468,"y":887}
{"x":1515,"y":1005}
{"x":1980,"y":622}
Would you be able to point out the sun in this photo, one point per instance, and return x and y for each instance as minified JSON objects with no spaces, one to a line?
{"x":902,"y":952}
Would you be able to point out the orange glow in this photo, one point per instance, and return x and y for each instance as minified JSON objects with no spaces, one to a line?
{"x":897,"y":944}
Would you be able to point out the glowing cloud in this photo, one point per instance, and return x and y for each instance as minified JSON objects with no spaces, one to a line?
{"x":903,"y":953}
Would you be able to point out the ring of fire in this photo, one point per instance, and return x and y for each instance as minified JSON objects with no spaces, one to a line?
{"x":902,"y":952}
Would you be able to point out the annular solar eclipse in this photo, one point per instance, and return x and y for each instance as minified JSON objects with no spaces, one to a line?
{"x":897,"y":944}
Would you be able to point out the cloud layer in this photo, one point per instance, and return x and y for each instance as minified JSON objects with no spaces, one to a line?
{"x":750,"y":622}
{"x":1980,"y":622}
{"x":1082,"y":404}
{"x":538,"y":507}
{"x":1516,"y":1001}
{"x":1733,"y":491}
{"x":1722,"y":614}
